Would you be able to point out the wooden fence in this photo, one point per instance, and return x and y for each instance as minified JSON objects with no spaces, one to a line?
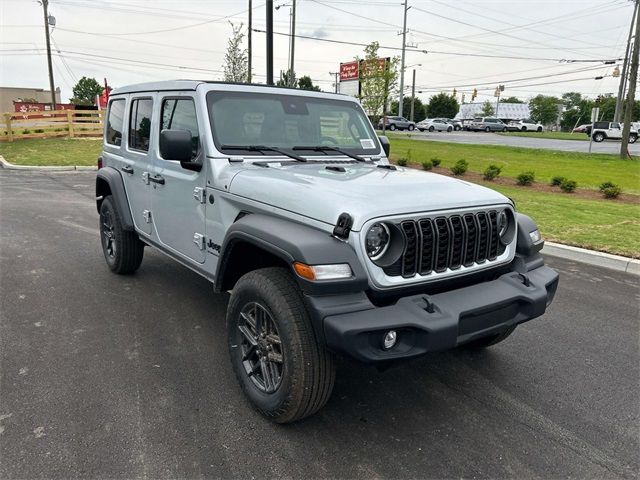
{"x":56,"y":123}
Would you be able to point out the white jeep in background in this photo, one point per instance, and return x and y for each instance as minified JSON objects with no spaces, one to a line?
{"x":611,"y":131}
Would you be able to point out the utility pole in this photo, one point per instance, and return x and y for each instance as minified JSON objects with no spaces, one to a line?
{"x":249,"y":41}
{"x":413,"y":94}
{"x":293,"y":44}
{"x":335,"y":76}
{"x":623,"y":78}
{"x":631,"y":94}
{"x":269,"y":42}
{"x":45,"y":7}
{"x":497,"y":94}
{"x":404,"y":44}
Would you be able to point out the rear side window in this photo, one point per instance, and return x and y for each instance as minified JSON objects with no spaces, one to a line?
{"x":180,"y":114}
{"x":140,"y":124}
{"x":115,"y":122}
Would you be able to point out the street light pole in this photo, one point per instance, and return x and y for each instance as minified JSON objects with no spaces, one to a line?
{"x":269,"y":42}
{"x":45,"y":6}
{"x":293,"y":44}
{"x":625,"y":65}
{"x":631,"y":94}
{"x":413,"y":94}
{"x":404,"y":44}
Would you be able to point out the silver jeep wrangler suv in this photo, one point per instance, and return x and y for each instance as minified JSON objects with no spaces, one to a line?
{"x":286,"y":199}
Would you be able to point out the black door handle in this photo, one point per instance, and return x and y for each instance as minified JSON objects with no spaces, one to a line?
{"x":157,"y":179}
{"x":127,"y":169}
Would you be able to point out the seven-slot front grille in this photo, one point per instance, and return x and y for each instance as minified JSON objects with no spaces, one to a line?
{"x":447,"y":242}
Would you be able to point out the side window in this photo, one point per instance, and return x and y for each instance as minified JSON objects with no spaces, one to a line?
{"x":140,"y":124}
{"x":115,"y":122}
{"x":180,"y":114}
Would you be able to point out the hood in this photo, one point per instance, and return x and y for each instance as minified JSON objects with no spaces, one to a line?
{"x":363,"y":191}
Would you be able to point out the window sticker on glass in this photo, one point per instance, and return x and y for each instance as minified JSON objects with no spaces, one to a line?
{"x":367,"y":143}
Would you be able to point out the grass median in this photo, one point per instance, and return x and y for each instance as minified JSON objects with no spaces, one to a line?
{"x":589,"y":170}
{"x":52,"y":151}
{"x":550,"y":135}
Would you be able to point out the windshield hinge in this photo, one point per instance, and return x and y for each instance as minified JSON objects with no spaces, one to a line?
{"x":343,"y":226}
{"x":199,"y":194}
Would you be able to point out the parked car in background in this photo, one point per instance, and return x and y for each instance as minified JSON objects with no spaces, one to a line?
{"x":611,"y":131}
{"x":524,"y":125}
{"x":456,"y":124}
{"x":582,"y":128}
{"x":434,"y":125}
{"x":397,"y":123}
{"x":487,"y":124}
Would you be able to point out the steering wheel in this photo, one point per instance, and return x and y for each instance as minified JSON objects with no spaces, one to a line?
{"x":328,"y":139}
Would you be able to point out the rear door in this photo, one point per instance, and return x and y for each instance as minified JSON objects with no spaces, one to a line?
{"x":178,"y":195}
{"x":136,"y":160}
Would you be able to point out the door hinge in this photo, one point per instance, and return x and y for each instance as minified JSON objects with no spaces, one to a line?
{"x":200,"y":194}
{"x":145,"y":178}
{"x":198,"y":239}
{"x":146,"y":214}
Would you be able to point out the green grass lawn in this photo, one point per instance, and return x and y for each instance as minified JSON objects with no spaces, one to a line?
{"x":603,"y":225}
{"x":52,"y":151}
{"x":589,"y":170}
{"x":552,"y":135}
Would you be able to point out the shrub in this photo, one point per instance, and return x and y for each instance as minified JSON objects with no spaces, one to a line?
{"x":427,"y":165}
{"x":605,"y":185}
{"x":611,"y":190}
{"x":26,"y":131}
{"x":460,"y":168}
{"x":38,"y":130}
{"x":557,"y":181}
{"x":436,"y":161}
{"x":492,"y":172}
{"x":526,"y":178}
{"x":402,"y":162}
{"x":568,"y":186}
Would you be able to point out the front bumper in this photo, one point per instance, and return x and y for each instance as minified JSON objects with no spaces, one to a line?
{"x":429,"y":323}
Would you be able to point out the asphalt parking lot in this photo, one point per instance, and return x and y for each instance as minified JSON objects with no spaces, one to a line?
{"x":128,"y":377}
{"x":483,"y":138}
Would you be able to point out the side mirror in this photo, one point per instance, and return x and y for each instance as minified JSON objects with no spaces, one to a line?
{"x":178,"y":145}
{"x":386,"y":146}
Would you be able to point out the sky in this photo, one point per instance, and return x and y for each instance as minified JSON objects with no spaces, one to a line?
{"x":531,"y":47}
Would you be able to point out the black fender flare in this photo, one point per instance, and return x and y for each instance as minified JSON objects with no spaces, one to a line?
{"x":291,"y":241}
{"x":113,"y":179}
{"x":525,"y":246}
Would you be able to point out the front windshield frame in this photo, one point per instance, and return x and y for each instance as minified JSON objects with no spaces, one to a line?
{"x":215,"y":95}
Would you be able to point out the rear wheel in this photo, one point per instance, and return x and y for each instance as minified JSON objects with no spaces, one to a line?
{"x":450,"y":129}
{"x":431,"y":128}
{"x":411,"y":128}
{"x":282,"y":368}
{"x":392,"y":127}
{"x":633,"y":138}
{"x":524,"y":129}
{"x":488,"y":341}
{"x":539,"y":129}
{"x":504,"y":129}
{"x":487,"y":129}
{"x":598,"y":137}
{"x":122,"y":249}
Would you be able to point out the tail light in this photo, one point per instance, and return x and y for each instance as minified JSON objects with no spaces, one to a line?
{"x":99,"y":163}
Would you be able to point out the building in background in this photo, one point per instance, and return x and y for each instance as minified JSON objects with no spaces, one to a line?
{"x":11,"y":95}
{"x":506,"y":111}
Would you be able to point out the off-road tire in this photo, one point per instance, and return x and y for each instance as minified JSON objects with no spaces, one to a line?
{"x":488,"y":341}
{"x":599,"y":137}
{"x":127,"y":255}
{"x":308,"y":370}
{"x":633,"y":138}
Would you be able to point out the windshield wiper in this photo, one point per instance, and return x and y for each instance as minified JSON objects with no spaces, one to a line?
{"x":262,"y":149}
{"x":326,"y":148}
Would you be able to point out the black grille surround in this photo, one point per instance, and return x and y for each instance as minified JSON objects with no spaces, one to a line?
{"x":452,"y":242}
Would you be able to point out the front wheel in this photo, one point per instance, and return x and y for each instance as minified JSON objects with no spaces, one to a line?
{"x":598,"y":137}
{"x":633,"y":138}
{"x":450,"y":129}
{"x":122,"y":249}
{"x":539,"y":129}
{"x":487,"y":129}
{"x":488,"y":341}
{"x":431,"y":128}
{"x":392,"y":127}
{"x":504,"y":129}
{"x":411,"y":128}
{"x":283,"y":369}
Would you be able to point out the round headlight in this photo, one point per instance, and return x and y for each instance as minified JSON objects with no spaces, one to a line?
{"x":377,"y":240}
{"x":503,"y":224}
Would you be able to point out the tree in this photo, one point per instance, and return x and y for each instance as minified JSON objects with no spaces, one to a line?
{"x":378,"y":80}
{"x":487,"y":109}
{"x":236,"y":66}
{"x":419,"y":108}
{"x":85,"y":91}
{"x":305,"y":83}
{"x":285,"y":79}
{"x":511,"y":100}
{"x":544,"y":109}
{"x":442,"y":105}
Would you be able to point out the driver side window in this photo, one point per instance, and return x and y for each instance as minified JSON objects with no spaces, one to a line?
{"x":180,"y":114}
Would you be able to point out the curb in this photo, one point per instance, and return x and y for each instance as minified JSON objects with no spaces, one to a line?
{"x":591,"y":257}
{"x":65,"y":168}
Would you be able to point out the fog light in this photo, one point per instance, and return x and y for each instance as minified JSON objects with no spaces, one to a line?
{"x":389,"y":339}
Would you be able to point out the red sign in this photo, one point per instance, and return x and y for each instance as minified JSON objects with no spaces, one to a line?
{"x":372,"y":68}
{"x":349,"y":71}
{"x":30,"y":107}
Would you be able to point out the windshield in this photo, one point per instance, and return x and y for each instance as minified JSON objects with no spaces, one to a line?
{"x":286,"y":121}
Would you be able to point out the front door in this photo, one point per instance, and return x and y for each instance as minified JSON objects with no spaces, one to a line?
{"x":178,"y":195}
